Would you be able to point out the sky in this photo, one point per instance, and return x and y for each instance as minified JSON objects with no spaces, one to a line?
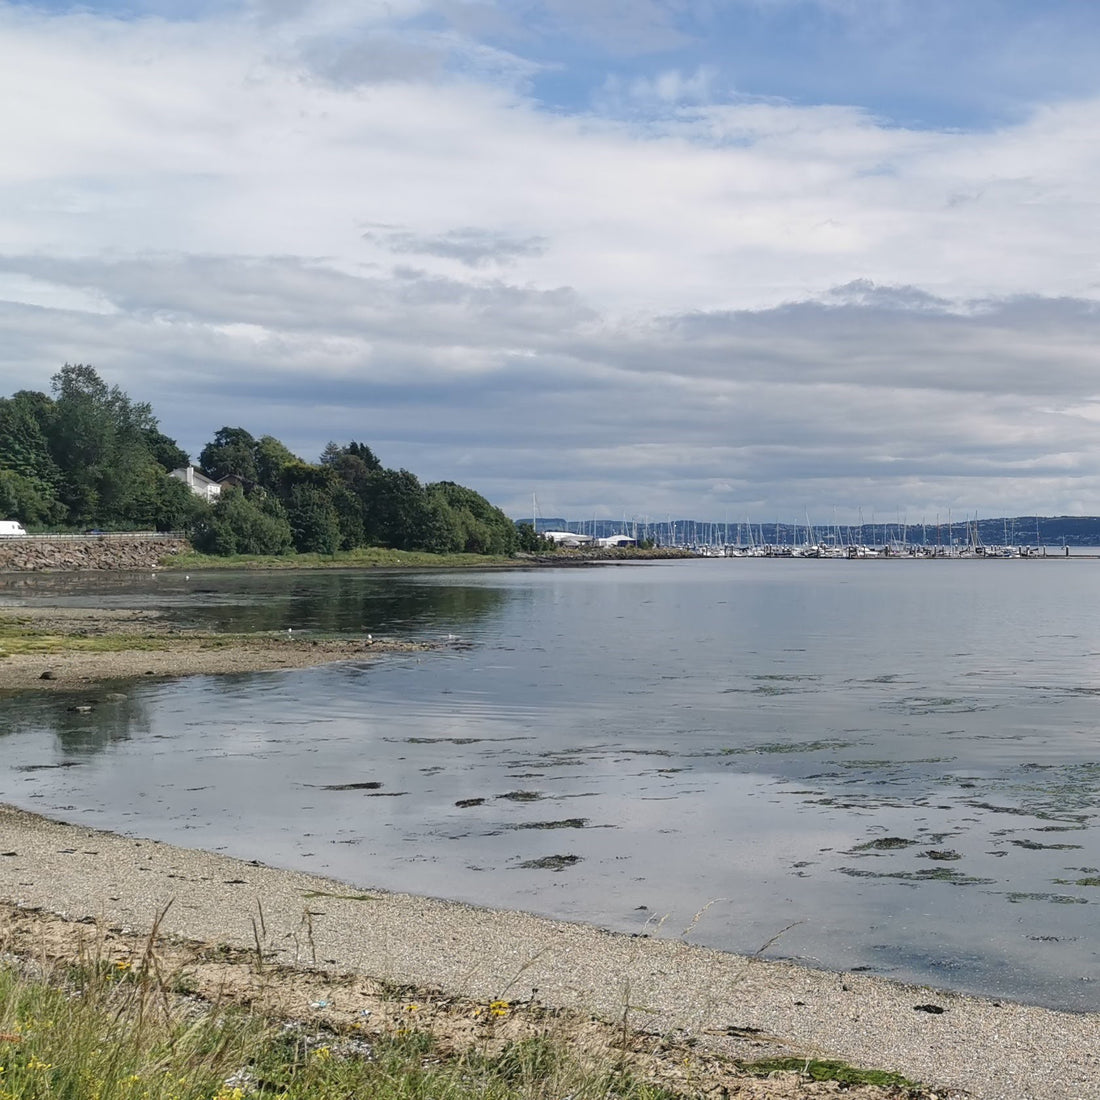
{"x":723,"y":259}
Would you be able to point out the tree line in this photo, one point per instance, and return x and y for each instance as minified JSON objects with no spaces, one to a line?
{"x":87,"y":456}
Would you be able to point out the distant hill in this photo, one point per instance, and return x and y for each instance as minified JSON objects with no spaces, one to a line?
{"x":1009,"y":531}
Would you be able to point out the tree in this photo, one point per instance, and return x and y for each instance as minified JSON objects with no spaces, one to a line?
{"x":99,"y":440}
{"x":176,"y":508}
{"x":166,"y":452}
{"x":30,"y":474}
{"x":231,"y":451}
{"x":23,"y":498}
{"x":314,"y":522}
{"x":237,"y":525}
{"x":333,"y":452}
{"x":530,"y":541}
{"x":394,"y":513}
{"x":271,"y":458}
{"x":480,"y":528}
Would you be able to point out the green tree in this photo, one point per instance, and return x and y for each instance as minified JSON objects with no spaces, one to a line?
{"x":31,"y":476}
{"x":314,"y":521}
{"x":333,"y":452}
{"x":271,"y":458}
{"x":237,"y":525}
{"x":530,"y":541}
{"x":176,"y":508}
{"x":479,"y":527}
{"x":23,"y":498}
{"x":395,"y":510}
{"x":231,"y":451}
{"x":99,"y":440}
{"x":166,"y":452}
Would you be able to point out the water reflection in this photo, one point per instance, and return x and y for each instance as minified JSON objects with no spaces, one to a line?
{"x":627,"y":746}
{"x":81,"y":724}
{"x":326,"y":601}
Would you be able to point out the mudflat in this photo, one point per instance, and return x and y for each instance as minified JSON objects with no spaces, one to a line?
{"x":67,"y":649}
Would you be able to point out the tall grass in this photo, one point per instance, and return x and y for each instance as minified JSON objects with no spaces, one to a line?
{"x":101,"y":1030}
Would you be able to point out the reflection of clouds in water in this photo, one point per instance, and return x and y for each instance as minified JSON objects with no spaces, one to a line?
{"x":693,"y":785}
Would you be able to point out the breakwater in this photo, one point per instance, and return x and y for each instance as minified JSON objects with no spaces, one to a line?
{"x":81,"y":552}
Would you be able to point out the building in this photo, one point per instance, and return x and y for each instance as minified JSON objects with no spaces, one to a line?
{"x":567,"y":538}
{"x":198,"y":483}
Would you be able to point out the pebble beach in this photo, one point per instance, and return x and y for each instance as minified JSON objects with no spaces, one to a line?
{"x":959,"y":1046}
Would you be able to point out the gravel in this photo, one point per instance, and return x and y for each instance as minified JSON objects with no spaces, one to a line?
{"x":993,"y":1050}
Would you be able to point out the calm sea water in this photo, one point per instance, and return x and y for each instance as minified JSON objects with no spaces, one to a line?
{"x":891,"y":766}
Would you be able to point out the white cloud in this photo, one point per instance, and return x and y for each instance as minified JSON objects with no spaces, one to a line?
{"x":742,"y":304}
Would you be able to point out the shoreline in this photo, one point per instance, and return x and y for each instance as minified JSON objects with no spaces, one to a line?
{"x":736,"y":1007}
{"x":730,"y":1006}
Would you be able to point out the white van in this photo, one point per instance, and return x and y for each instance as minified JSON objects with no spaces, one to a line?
{"x":11,"y":529}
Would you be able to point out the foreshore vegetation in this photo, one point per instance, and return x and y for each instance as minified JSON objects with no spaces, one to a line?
{"x":91,"y":1013}
{"x":87,"y":457}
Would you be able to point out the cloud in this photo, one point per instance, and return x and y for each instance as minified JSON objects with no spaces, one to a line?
{"x":469,"y":245}
{"x":872,"y":398}
{"x":325,"y":223}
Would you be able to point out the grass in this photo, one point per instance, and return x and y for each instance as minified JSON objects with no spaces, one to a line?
{"x":17,"y":639}
{"x":362,"y":558}
{"x":378,"y":557}
{"x":827,"y":1069}
{"x":114,"y":1031}
{"x":19,"y":636}
{"x":100,"y":1025}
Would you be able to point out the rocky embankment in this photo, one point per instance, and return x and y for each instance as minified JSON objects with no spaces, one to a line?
{"x":118,"y":552}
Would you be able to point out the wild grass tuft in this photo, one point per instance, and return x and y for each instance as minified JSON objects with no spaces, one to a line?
{"x":114,"y":1029}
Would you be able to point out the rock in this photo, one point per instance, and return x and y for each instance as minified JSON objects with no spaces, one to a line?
{"x":119,"y":552}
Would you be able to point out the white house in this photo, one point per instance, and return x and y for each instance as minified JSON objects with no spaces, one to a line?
{"x":197,"y":482}
{"x":567,"y":538}
{"x":618,"y":540}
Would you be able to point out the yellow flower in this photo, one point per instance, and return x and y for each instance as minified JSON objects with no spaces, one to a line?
{"x":322,"y":1054}
{"x":498,"y":1008}
{"x":224,"y":1093}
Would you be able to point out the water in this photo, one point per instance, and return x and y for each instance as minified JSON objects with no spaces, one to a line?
{"x":890,"y":766}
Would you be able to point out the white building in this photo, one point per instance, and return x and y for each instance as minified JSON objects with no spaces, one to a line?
{"x":567,"y":538}
{"x":197,"y":482}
